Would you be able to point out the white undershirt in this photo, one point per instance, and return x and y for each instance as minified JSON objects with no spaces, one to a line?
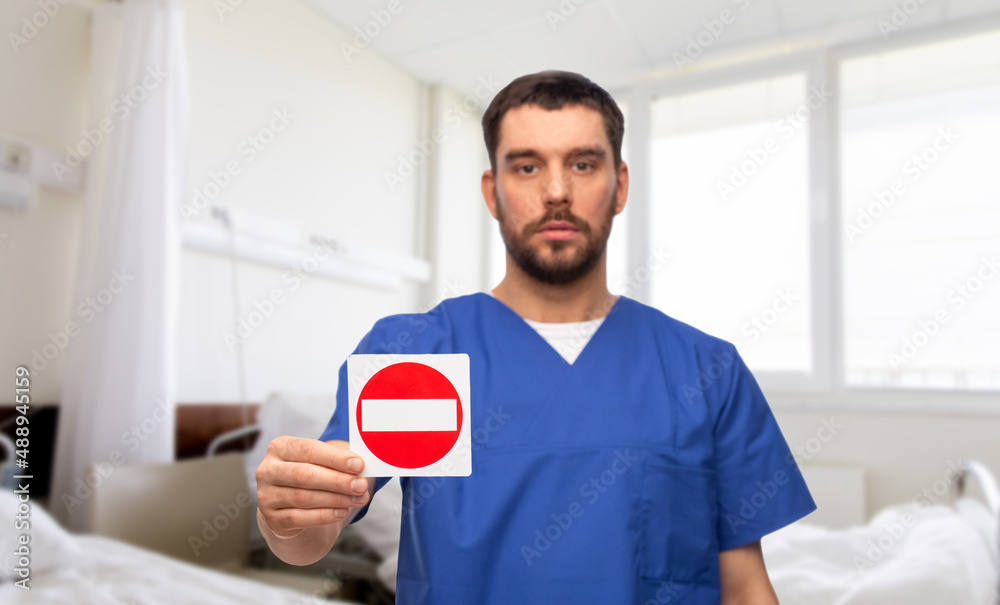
{"x":568,"y":339}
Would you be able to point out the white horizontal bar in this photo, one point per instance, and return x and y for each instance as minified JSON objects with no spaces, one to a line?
{"x":409,"y":415}
{"x":263,"y":232}
{"x":210,"y":237}
{"x":413,"y":268}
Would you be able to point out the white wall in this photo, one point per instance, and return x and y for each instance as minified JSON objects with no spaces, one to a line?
{"x":904,"y":453}
{"x":324,"y":171}
{"x":43,"y":102}
{"x":457,"y":215}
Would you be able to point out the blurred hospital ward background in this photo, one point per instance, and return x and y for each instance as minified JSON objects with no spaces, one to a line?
{"x":205,"y":204}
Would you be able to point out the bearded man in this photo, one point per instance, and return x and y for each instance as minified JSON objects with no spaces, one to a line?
{"x":637,"y":462}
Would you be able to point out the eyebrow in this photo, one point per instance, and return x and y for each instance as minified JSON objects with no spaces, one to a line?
{"x":517,"y":154}
{"x":594,"y":152}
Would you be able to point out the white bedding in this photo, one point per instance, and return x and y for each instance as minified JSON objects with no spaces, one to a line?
{"x":92,"y":570}
{"x":110,"y":572}
{"x":936,"y":556}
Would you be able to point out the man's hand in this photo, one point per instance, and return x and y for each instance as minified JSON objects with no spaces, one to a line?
{"x":744,"y":578}
{"x":306,"y":490}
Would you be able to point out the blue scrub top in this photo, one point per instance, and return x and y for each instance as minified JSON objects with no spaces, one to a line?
{"x":617,"y":479}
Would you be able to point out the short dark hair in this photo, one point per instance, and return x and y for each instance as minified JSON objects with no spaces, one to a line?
{"x":552,"y":90}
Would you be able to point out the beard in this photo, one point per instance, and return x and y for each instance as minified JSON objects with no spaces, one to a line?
{"x":557,"y":270}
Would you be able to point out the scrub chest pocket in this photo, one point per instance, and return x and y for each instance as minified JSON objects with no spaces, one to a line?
{"x":677,"y":523}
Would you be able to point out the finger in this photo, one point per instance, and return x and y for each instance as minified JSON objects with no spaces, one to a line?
{"x":288,"y":519}
{"x":331,"y":454}
{"x":313,"y":477}
{"x":277,"y":497}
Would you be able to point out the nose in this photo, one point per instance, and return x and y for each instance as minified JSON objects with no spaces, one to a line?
{"x":557,"y":189}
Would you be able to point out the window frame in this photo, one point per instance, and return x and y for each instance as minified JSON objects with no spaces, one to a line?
{"x":825,"y":388}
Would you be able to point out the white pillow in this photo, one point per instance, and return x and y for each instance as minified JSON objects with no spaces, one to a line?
{"x":49,"y":545}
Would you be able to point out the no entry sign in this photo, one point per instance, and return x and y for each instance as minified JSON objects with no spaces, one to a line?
{"x":409,"y":414}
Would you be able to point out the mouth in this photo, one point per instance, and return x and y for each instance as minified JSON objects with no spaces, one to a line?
{"x":558,"y":230}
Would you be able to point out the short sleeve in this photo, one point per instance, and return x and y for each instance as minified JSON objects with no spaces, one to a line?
{"x":760,"y":487}
{"x":337,"y":428}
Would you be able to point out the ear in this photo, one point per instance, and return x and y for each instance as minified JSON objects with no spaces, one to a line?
{"x":622,"y":196}
{"x":488,"y":184}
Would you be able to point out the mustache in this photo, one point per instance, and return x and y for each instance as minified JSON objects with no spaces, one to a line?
{"x":561,"y":214}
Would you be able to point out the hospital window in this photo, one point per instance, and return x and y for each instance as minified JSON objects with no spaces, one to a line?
{"x":730,"y":204}
{"x":920,"y":163}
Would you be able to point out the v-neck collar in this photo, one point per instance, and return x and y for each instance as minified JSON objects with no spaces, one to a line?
{"x":583,"y":353}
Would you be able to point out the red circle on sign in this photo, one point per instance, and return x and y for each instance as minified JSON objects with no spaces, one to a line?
{"x":409,"y":449}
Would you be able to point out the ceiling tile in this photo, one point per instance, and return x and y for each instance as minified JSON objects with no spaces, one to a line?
{"x":417,"y":26}
{"x":490,"y":15}
{"x":459,"y":64}
{"x":805,"y":16}
{"x":611,"y":41}
{"x":662,"y":27}
{"x":964,"y":9}
{"x":572,"y":44}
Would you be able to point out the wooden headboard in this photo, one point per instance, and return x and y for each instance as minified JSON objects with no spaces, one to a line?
{"x":199,"y":423}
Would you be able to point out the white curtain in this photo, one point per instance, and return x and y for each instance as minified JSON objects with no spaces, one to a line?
{"x":118,"y":397}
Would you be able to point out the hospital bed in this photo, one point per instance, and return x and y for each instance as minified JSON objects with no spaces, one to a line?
{"x":150,"y":543}
{"x":97,"y":570}
{"x":917,"y":553}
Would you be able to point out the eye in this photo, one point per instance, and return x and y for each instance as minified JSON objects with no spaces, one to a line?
{"x":527,"y":169}
{"x":583,"y":166}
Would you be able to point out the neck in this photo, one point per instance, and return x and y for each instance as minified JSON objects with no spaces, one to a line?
{"x":585,"y":299}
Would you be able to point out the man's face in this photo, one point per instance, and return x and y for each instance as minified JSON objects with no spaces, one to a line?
{"x":555,"y":190}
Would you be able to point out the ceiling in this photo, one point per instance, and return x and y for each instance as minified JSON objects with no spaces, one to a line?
{"x":616,"y":42}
